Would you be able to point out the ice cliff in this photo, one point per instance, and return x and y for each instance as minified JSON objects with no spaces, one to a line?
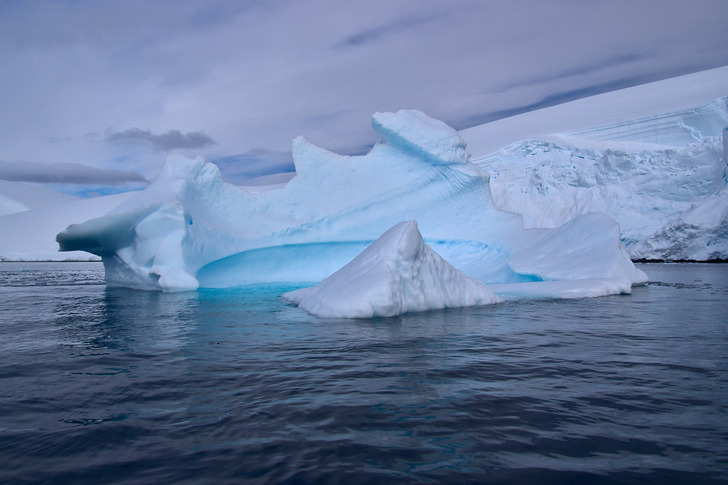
{"x":190,"y":229}
{"x":661,"y":177}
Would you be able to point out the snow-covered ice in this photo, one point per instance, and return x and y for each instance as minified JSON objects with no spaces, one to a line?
{"x":700,"y":233}
{"x":190,"y":229}
{"x":650,"y":174}
{"x":608,"y":109}
{"x":398,"y":273}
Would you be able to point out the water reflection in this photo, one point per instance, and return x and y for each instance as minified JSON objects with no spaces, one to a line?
{"x":147,"y":320}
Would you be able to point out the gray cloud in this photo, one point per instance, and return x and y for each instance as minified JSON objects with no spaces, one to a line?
{"x":65,"y":173}
{"x":172,"y":140}
{"x":259,"y":73}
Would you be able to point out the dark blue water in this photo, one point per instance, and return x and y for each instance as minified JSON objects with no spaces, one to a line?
{"x":106,"y":385}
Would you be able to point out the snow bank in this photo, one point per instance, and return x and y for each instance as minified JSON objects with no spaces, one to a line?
{"x":398,"y":273}
{"x":190,"y":229}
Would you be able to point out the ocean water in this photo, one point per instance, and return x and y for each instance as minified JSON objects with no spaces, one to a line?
{"x":105,"y":385}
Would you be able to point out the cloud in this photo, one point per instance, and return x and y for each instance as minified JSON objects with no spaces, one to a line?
{"x":65,"y":173}
{"x":390,"y":28}
{"x":172,"y":140}
{"x":246,"y":75}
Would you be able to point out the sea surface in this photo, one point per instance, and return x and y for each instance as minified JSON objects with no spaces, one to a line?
{"x":103,"y":385}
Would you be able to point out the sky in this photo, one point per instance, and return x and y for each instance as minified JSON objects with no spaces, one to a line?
{"x":95,"y":94}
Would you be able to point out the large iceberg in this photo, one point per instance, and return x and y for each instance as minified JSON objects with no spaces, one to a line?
{"x":190,"y":229}
{"x":398,"y":273}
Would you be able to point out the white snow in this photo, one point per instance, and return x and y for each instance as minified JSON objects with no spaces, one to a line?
{"x":649,"y":172}
{"x":190,"y":229}
{"x":30,"y":235}
{"x":398,"y":273}
{"x":669,"y":95}
{"x":700,"y":233}
{"x":550,"y":183}
{"x":19,"y":197}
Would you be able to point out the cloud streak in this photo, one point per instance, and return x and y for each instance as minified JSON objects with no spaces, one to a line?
{"x":396,"y":26}
{"x":65,"y":173}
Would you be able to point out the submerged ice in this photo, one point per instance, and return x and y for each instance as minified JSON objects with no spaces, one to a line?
{"x":190,"y":229}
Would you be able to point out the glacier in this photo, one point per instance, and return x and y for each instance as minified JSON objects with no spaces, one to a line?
{"x":398,"y":273}
{"x":189,"y":229}
{"x":662,"y":177}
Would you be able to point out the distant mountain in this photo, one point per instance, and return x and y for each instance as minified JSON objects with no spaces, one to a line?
{"x":19,"y":197}
{"x":28,"y":233}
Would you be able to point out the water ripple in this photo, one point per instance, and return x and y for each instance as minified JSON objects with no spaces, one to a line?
{"x":117,"y":386}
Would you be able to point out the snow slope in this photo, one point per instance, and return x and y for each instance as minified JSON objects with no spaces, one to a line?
{"x":18,"y":197}
{"x":398,"y":273}
{"x":30,"y":235}
{"x":648,"y":173}
{"x":190,"y":229}
{"x":608,"y":109}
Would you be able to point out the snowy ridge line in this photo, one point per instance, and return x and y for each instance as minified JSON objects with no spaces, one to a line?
{"x":676,"y":128}
{"x":704,"y":122}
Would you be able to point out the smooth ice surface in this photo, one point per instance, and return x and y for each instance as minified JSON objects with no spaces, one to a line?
{"x":190,"y":229}
{"x":398,"y":273}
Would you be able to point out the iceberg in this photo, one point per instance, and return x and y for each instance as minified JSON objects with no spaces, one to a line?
{"x":398,"y":273}
{"x":190,"y":229}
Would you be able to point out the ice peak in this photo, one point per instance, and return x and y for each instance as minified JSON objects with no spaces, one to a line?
{"x":396,"y":274}
{"x":412,"y":131}
{"x":307,"y":156}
